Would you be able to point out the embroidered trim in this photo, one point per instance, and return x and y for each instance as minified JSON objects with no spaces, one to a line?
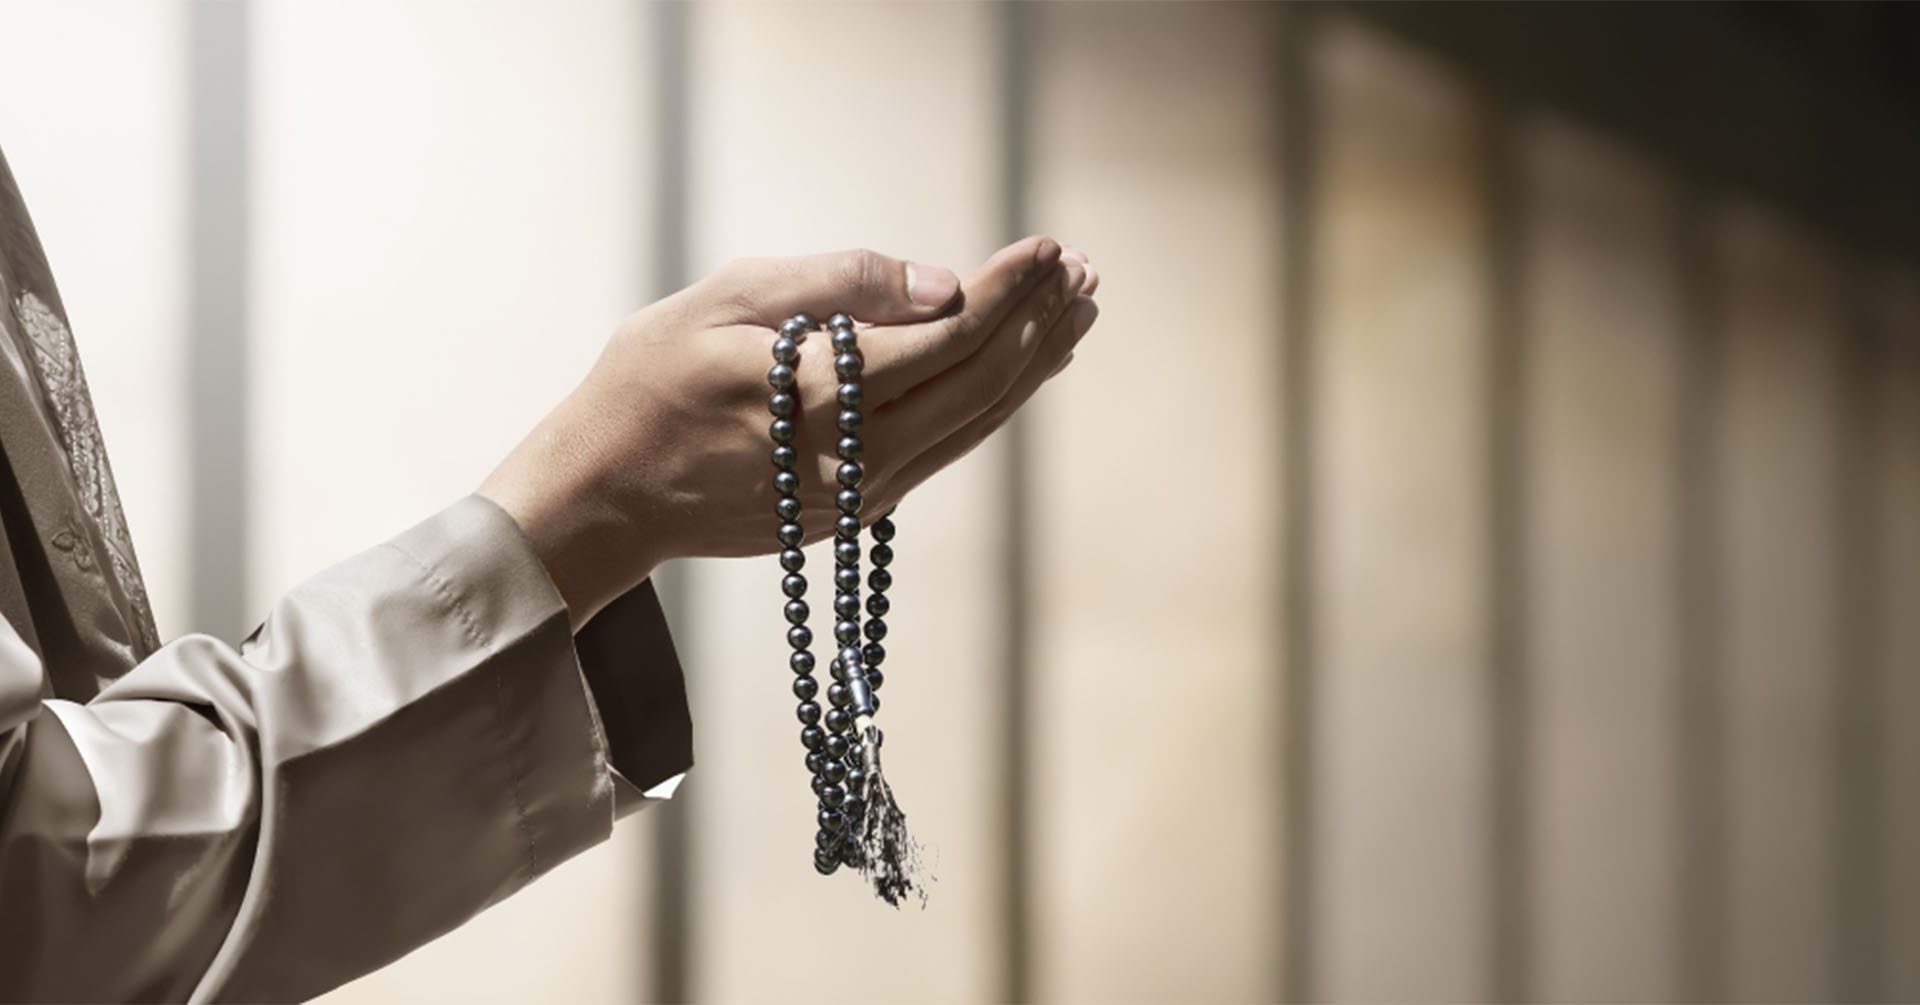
{"x":65,"y":385}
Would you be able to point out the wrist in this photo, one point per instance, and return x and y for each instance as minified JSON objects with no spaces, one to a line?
{"x":590,"y":548}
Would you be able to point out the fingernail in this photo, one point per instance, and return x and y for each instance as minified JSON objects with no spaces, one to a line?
{"x":1073,"y":254}
{"x":931,"y":285}
{"x":1092,"y":281}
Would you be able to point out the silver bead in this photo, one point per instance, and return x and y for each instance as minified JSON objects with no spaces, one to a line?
{"x":786,"y":483}
{"x":782,"y":404}
{"x":797,"y":327}
{"x":797,"y":613}
{"x":848,"y":553}
{"x":847,"y":366}
{"x":840,"y":322}
{"x":793,"y":559}
{"x":790,"y":534}
{"x":844,"y":340}
{"x":787,"y":508}
{"x":782,"y":430}
{"x":785,"y":350}
{"x":849,"y":473}
{"x":795,"y":585}
{"x":849,"y":420}
{"x":848,"y":500}
{"x":780,"y":375}
{"x":851,"y":395}
{"x":785,"y":457}
{"x":849,"y":448}
{"x":847,"y":528}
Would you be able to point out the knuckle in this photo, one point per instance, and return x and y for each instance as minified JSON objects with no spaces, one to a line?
{"x":863,"y":270}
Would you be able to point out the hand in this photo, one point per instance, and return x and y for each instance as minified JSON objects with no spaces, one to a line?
{"x":662,"y":452}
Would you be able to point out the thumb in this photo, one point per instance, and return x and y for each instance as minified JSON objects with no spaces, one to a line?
{"x":865,"y":284}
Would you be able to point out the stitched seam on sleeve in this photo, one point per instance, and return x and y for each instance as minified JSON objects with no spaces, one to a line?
{"x":517,"y":788}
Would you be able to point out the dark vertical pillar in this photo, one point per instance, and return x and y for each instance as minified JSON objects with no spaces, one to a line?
{"x":1295,"y":101}
{"x":217,"y":208}
{"x":1507,"y":513}
{"x":1699,"y":719}
{"x":1860,"y":849}
{"x":670,"y":953}
{"x":1018,"y":24}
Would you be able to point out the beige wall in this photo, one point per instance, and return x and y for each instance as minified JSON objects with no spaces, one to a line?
{"x":465,"y":189}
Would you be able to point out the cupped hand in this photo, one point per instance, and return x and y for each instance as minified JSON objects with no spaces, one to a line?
{"x":664,"y":452}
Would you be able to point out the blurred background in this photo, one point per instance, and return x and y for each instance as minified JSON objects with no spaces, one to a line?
{"x":1478,"y":557}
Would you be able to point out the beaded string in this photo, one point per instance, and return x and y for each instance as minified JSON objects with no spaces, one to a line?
{"x":860,"y":824}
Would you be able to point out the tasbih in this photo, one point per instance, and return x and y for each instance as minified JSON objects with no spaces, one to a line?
{"x":860,"y":824}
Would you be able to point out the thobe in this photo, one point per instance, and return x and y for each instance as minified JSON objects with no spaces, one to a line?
{"x":410,"y":735}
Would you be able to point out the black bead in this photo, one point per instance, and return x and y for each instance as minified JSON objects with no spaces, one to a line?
{"x":813,"y":738}
{"x":883,"y":529}
{"x":847,"y":527}
{"x":850,"y":447}
{"x":785,"y":457}
{"x":874,"y":654}
{"x":787,"y":508}
{"x":876,"y":629}
{"x":801,"y":662}
{"x":809,"y":712}
{"x":781,"y":430}
{"x":850,"y":656}
{"x":785,"y":350}
{"x":837,"y":695}
{"x":836,"y":771}
{"x":849,"y":473}
{"x":791,"y":534}
{"x":876,"y":705}
{"x":846,"y":366}
{"x":795,"y":585}
{"x":849,"y":421}
{"x":780,"y":375}
{"x":879,"y":579}
{"x":782,"y":404}
{"x":797,"y":327}
{"x":804,"y":688}
{"x":877,"y":604}
{"x":846,"y":552}
{"x":855,"y":809}
{"x":833,"y":820}
{"x":840,"y":322}
{"x":816,"y":761}
{"x":819,"y":785}
{"x":857,"y":757}
{"x":881,"y":555}
{"x":875,"y":678}
{"x":786,"y":482}
{"x":836,"y":745}
{"x":793,"y":559}
{"x":854,"y":778}
{"x":838,"y":721}
{"x":845,"y":340}
{"x":846,"y":605}
{"x":799,"y":636}
{"x":848,"y":501}
{"x":837,"y":669}
{"x":846,"y":578}
{"x":844,"y":632}
{"x":833,"y":795}
{"x":826,"y":862}
{"x":851,"y":395}
{"x":796,"y":612}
